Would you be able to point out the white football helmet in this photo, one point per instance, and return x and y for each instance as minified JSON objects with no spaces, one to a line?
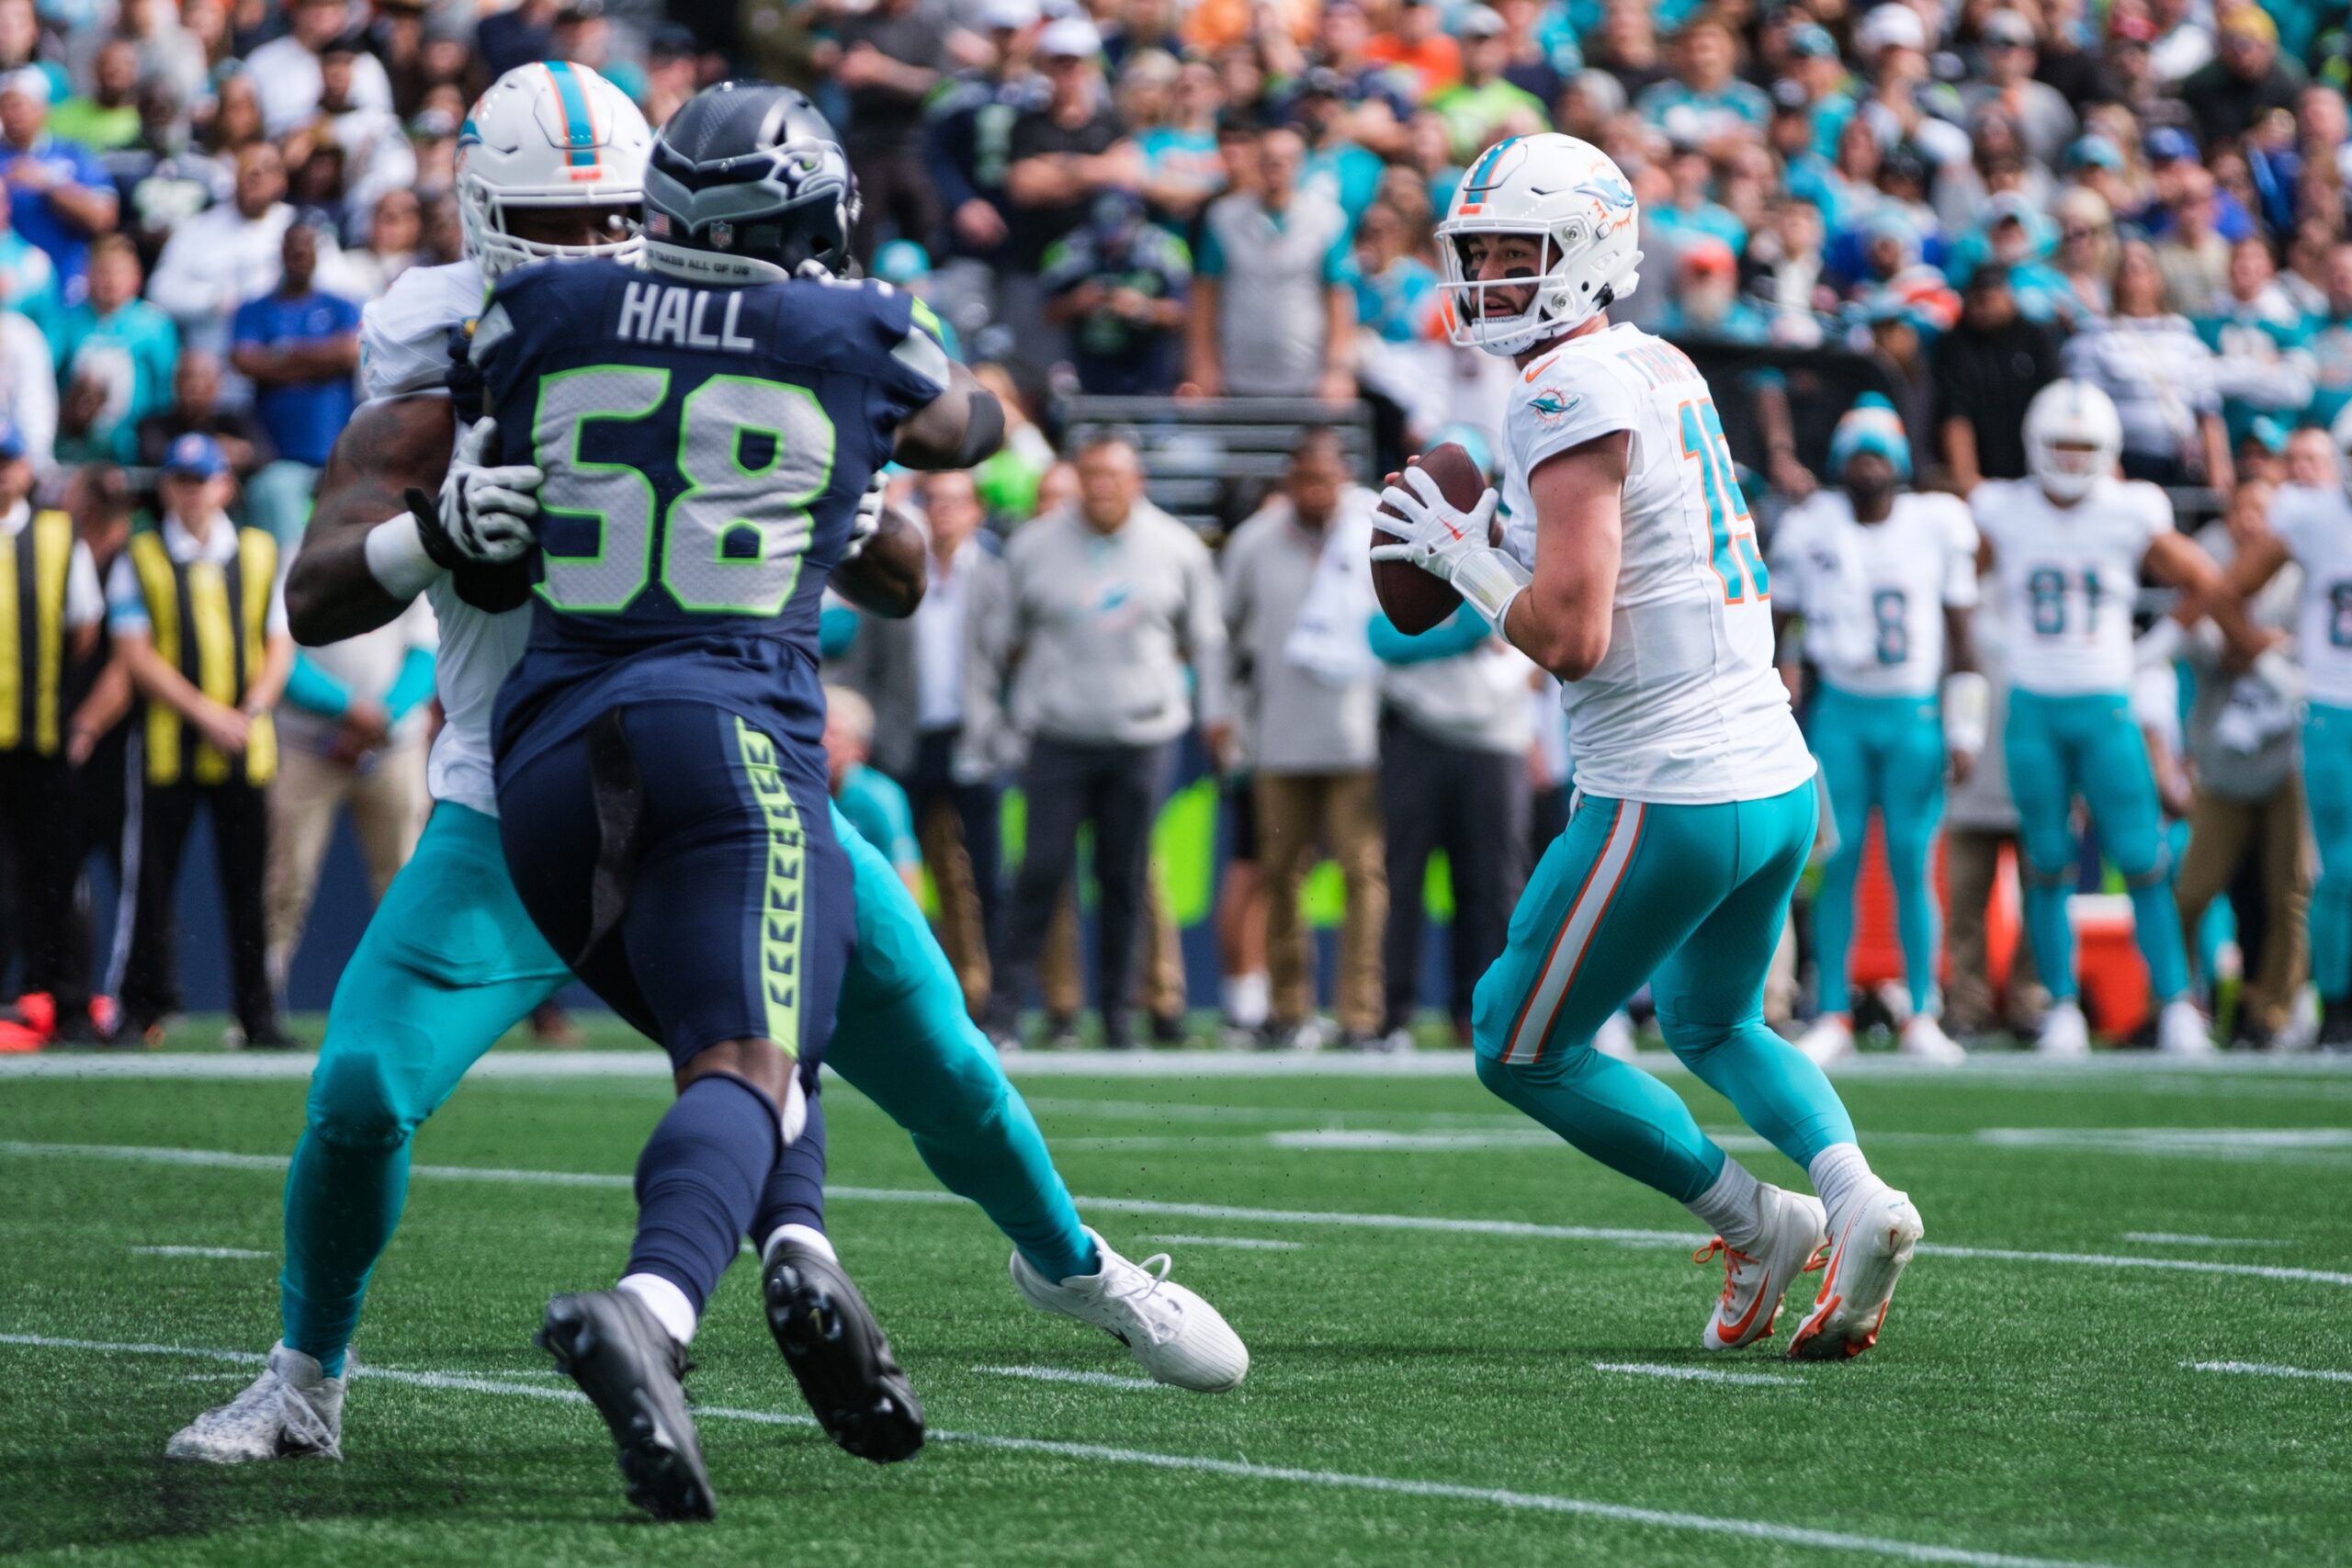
{"x":550,"y":135}
{"x":1574,"y":198}
{"x":2073,"y":437}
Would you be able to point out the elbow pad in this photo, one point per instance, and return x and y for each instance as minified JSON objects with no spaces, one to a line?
{"x":983,"y":430}
{"x":1967,"y":711}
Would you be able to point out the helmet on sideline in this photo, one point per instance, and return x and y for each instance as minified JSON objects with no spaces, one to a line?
{"x":550,"y":135}
{"x":2073,"y":438}
{"x":1570,"y":195}
{"x":747,"y":183}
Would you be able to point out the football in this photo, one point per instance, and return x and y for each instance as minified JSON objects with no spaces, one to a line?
{"x":1412,"y":599}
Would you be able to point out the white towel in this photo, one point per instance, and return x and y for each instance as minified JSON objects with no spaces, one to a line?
{"x":1332,"y":641}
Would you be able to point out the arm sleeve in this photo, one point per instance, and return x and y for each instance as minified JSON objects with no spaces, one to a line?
{"x":913,"y":365}
{"x":313,"y":690}
{"x":1458,"y":634}
{"x":412,"y":686}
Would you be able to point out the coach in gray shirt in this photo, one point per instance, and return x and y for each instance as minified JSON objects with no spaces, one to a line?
{"x":1111,"y":636}
{"x":1272,"y":313}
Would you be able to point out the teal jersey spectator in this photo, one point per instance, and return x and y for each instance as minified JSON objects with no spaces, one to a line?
{"x":1583,"y":18}
{"x":1338,"y":260}
{"x":2330,"y":345}
{"x":1397,"y":305}
{"x":132,"y":353}
{"x":29,"y":285}
{"x":2247,"y":335}
{"x":1829,"y":118}
{"x":1813,"y":178}
{"x":836,"y":629}
{"x":1184,"y":158}
{"x":1683,"y":113}
{"x":1348,"y":173}
{"x":877,"y":808}
{"x":1743,"y":323}
{"x":1704,"y":218}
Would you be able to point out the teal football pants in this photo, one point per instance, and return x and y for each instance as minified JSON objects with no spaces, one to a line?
{"x":1882,"y":754}
{"x":2328,"y":780}
{"x":450,"y":963}
{"x":2088,"y":745}
{"x":1689,"y":900}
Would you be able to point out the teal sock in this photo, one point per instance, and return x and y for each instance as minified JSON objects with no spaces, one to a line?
{"x":341,"y":1207}
{"x":1615,"y":1113}
{"x":2155,"y":922}
{"x":1775,"y":1087}
{"x":2052,"y":936}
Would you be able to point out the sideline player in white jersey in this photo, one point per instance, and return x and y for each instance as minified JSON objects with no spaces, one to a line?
{"x":2314,"y":527}
{"x":1630,"y":569}
{"x":551,"y":168}
{"x":2067,"y":546}
{"x":1885,"y":582}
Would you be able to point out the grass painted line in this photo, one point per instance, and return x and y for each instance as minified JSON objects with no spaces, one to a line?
{"x":1200,"y":1464}
{"x":1242,"y":1243}
{"x":1067,"y":1374}
{"x":2172,"y":1238}
{"x":242,"y":1252}
{"x":2265,"y":1370}
{"x":1326,"y":1219}
{"x":1690,"y":1374}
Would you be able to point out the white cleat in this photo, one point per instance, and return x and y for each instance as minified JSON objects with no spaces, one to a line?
{"x":1871,"y":1238}
{"x":2181,"y":1031}
{"x":1175,"y":1336}
{"x":291,"y":1411}
{"x":1923,"y":1040}
{"x":1795,"y":1231}
{"x":1829,"y":1040}
{"x":2065,"y":1035}
{"x":1614,"y":1038}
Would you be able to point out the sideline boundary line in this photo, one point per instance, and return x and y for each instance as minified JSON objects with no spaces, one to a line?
{"x":1239,"y":1470}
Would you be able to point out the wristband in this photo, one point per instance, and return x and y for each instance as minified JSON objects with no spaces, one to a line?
{"x":1967,"y":711}
{"x":397,"y":557}
{"x":1488,"y":580}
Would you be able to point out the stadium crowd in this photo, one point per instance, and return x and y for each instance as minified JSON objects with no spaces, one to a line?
{"x":1138,"y":198}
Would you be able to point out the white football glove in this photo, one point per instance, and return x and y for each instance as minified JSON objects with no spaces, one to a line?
{"x":869,"y":518}
{"x":1449,"y":543}
{"x":489,"y":510}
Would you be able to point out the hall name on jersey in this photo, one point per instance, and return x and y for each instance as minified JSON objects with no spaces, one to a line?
{"x":667,"y":315}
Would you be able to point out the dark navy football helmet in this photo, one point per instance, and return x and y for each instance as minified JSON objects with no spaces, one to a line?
{"x":747,"y":183}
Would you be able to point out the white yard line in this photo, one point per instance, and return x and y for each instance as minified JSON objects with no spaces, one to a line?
{"x":1328,"y":1219}
{"x":1239,"y":1470}
{"x":245,"y":1252}
{"x":1244,"y":1243}
{"x":2170,"y":1238}
{"x":1066,"y":1374}
{"x":1690,"y":1374}
{"x":2265,"y":1370}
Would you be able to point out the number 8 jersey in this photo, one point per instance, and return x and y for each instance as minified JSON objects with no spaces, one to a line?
{"x":705,"y":450}
{"x":2069,"y":576}
{"x":1685,"y":709}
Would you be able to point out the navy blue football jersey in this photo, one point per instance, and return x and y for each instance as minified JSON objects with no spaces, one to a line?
{"x":705,"y":450}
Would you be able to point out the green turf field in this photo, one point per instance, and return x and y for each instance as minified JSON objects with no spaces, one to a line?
{"x":1470,"y":1344}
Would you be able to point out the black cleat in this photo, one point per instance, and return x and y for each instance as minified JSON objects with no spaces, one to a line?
{"x":630,"y":1368}
{"x":854,"y":1385}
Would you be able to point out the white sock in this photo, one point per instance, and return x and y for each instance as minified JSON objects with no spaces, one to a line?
{"x":1730,"y":1205}
{"x":665,"y":1301}
{"x":814,"y":1240}
{"x":1247,"y":999}
{"x":1836,"y":1171}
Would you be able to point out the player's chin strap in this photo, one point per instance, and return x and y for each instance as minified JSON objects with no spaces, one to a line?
{"x":1967,"y":711}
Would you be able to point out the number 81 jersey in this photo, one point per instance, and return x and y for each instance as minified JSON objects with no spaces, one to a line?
{"x":705,"y":449}
{"x":2069,"y":576}
{"x":1685,"y":709}
{"x":2316,"y":527}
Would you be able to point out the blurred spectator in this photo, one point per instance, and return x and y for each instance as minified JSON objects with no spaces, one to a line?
{"x":1275,"y":315}
{"x":2011,"y":58}
{"x":1707,"y":306}
{"x":2192,"y":256}
{"x":195,"y":410}
{"x":200,"y":750}
{"x":1336,"y":165}
{"x":967,"y":132}
{"x":1706,"y":105}
{"x":874,"y":806}
{"x":60,"y":194}
{"x":1420,"y":47}
{"x":395,"y":229}
{"x":226,"y":255}
{"x":2245,"y":77}
{"x":2257,"y":338}
{"x":300,"y":347}
{"x":1182,"y":170}
{"x":1064,"y":153}
{"x":106,"y":117}
{"x":1297,"y":592}
{"x":2085,"y":256}
{"x":1113,"y":645}
{"x":2161,"y":377}
{"x":892,"y":56}
{"x":119,"y":346}
{"x":1980,"y":837}
{"x":1985,"y":370}
{"x":516,"y":35}
{"x":55,"y":577}
{"x":1121,"y":287}
{"x":287,"y":74}
{"x":2330,"y":343}
{"x":28,"y":278}
{"x":352,"y":736}
{"x":1487,"y":105}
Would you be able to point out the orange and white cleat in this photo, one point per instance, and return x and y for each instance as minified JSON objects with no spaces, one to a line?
{"x":1789,"y":1246}
{"x":1873,"y":1234}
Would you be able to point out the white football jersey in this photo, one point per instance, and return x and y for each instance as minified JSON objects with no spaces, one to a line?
{"x":1874,"y":595}
{"x":1685,"y":709}
{"x":404,"y":347}
{"x":2316,"y":527}
{"x":2068,"y":578}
